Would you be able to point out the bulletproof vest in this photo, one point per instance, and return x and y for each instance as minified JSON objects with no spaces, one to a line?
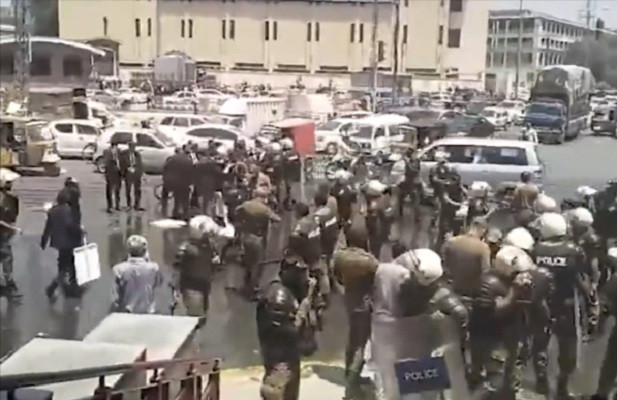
{"x":194,"y":261}
{"x":565,"y":261}
{"x":280,"y":305}
{"x":354,"y":264}
{"x":483,"y":308}
{"x":305,"y":240}
{"x":328,"y":224}
{"x":255,"y":217}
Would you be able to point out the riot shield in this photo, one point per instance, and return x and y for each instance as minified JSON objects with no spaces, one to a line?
{"x":418,"y":358}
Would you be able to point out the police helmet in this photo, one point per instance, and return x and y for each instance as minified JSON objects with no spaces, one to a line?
{"x":552,"y":225}
{"x":519,"y":237}
{"x":281,"y":304}
{"x":580,"y":217}
{"x":584,"y":192}
{"x":545,"y":204}
{"x":494,"y":236}
{"x":287,"y":143}
{"x":424,"y":265}
{"x":275,"y":147}
{"x":510,"y":260}
{"x":375,"y":188}
{"x":137,"y":246}
{"x":479,"y":189}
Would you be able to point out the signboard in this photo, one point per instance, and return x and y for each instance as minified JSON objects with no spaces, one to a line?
{"x":423,"y":375}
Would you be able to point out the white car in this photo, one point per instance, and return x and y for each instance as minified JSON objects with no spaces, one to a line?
{"x":329,"y":135}
{"x":73,"y":135}
{"x":225,"y":135}
{"x":172,"y":125}
{"x":154,"y":147}
{"x":181,"y":97}
{"x":496,"y":116}
{"x":515,"y":110}
{"x":132,"y":95}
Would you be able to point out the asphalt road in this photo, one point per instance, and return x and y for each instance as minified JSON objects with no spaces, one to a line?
{"x":230,"y":332}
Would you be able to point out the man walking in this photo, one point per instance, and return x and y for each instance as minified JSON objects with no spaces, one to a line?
{"x":111,"y":159}
{"x":9,"y":210}
{"x":131,"y":168}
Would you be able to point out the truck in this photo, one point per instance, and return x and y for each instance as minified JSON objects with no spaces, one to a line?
{"x":559,"y":103}
{"x":249,"y":114}
{"x":173,"y":72}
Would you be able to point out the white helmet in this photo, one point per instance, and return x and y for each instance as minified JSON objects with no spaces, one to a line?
{"x":342,"y":176}
{"x":428,"y":268}
{"x":287,"y":143}
{"x":552,"y":225}
{"x":374,"y":187}
{"x":510,"y":260}
{"x":519,"y":237}
{"x":275,"y":147}
{"x":202,"y":226}
{"x":585,"y":191}
{"x":479,"y":189}
{"x":137,"y":246}
{"x":580,"y":216}
{"x":544,"y":204}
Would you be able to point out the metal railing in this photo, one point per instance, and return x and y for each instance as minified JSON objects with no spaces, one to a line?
{"x":192,"y":384}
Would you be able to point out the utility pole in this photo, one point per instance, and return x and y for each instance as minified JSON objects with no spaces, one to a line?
{"x":588,"y":16}
{"x":157,"y":21}
{"x":374,"y":60}
{"x":519,"y":48}
{"x":22,"y":50}
{"x":397,"y":27}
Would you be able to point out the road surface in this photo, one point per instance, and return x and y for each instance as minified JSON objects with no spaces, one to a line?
{"x":230,"y":332}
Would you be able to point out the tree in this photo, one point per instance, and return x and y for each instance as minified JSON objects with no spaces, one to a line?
{"x":600,"y":56}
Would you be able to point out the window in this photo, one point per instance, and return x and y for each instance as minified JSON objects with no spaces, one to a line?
{"x":317,"y":31}
{"x":197,"y":121}
{"x":40,"y":65}
{"x":232,"y":28}
{"x":267,"y":30}
{"x":380,"y":132}
{"x":86,"y":130}
{"x":460,"y":154}
{"x":144,"y":140}
{"x":503,"y":156}
{"x":394,"y":130}
{"x":456,"y":5}
{"x":181,"y":122}
{"x":166,"y":121}
{"x":149,"y":27}
{"x":440,"y":35}
{"x":309,"y":34}
{"x":404,"y":34}
{"x":137,"y":27}
{"x":223,"y":134}
{"x":190,"y":28}
{"x":72,"y":66}
{"x":64,"y":128}
{"x":104,"y":26}
{"x":224,"y":29}
{"x":182,"y":28}
{"x":122,"y":138}
{"x":361,"y":33}
{"x":275,"y":30}
{"x":352,"y":33}
{"x":454,"y":38}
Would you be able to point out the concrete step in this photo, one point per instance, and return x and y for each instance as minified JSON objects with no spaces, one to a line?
{"x":53,"y":355}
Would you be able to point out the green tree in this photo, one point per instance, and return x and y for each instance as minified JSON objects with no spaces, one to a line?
{"x":600,"y":56}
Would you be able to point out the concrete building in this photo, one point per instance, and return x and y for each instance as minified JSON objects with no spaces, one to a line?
{"x":545,"y":41}
{"x":439,"y":40}
{"x":54,"y":63}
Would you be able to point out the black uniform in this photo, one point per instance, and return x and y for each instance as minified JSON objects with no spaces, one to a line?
{"x":178,"y":176}
{"x":412,"y":186}
{"x":566,"y":262}
{"x":305,"y":241}
{"x":279,"y":342}
{"x":328,"y":225}
{"x":274,"y":167}
{"x":132,"y":170}
{"x":113,"y":177}
{"x":345,"y":197}
{"x":378,"y":222}
{"x":207,"y":172}
{"x":9,"y":210}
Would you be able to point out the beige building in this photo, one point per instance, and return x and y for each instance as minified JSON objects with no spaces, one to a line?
{"x":438,"y":39}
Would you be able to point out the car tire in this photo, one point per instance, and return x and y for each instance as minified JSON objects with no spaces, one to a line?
{"x":99,"y":165}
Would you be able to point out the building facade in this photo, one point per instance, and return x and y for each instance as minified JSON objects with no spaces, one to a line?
{"x":437,"y":39}
{"x":544,"y":41}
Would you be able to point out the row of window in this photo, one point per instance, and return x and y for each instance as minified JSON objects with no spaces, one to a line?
{"x":40,"y":65}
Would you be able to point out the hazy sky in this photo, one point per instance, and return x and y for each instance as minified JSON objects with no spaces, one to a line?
{"x":566,"y":9}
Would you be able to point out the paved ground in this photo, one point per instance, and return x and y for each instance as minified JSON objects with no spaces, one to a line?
{"x":230,"y":332}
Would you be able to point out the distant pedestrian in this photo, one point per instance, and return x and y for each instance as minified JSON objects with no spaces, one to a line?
{"x":132,"y":170}
{"x":113,"y":181}
{"x":136,"y":280}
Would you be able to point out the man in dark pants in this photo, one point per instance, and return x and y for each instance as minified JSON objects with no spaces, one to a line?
{"x":111,"y":157}
{"x":178,"y":176}
{"x":207,"y":172}
{"x":132,"y":170}
{"x":63,"y":234}
{"x":9,"y":210}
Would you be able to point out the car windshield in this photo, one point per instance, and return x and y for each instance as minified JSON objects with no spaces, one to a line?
{"x":163,"y":138}
{"x":488,"y":113}
{"x":548,"y":109}
{"x":329,"y":126}
{"x":364,"y":132}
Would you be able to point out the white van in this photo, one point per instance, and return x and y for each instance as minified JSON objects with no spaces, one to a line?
{"x":379,"y":131}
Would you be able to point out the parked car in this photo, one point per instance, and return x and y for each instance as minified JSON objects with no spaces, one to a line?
{"x":155,"y":148}
{"x":475,"y":107}
{"x":224,"y":135}
{"x":172,"y":125}
{"x":515,"y":110}
{"x":496,"y":116}
{"x":329,"y":135}
{"x":73,"y":135}
{"x":379,"y":131}
{"x":604,"y":120}
{"x":431,"y":113}
{"x":494,"y":161}
{"x":470,"y":125}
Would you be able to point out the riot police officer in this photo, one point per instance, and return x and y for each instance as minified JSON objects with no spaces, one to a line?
{"x":207,"y":173}
{"x":439,"y":177}
{"x":566,"y":261}
{"x":9,"y":210}
{"x":379,"y":215}
{"x":355,"y":268}
{"x":452,"y":197}
{"x":346,"y":197}
{"x":254,"y":217}
{"x":291,"y":165}
{"x":274,"y":167}
{"x":478,"y":201}
{"x":194,"y":267}
{"x":279,"y":341}
{"x":329,"y":228}
{"x":412,"y":185}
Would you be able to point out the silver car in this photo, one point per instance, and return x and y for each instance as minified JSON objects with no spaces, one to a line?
{"x":489,"y":160}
